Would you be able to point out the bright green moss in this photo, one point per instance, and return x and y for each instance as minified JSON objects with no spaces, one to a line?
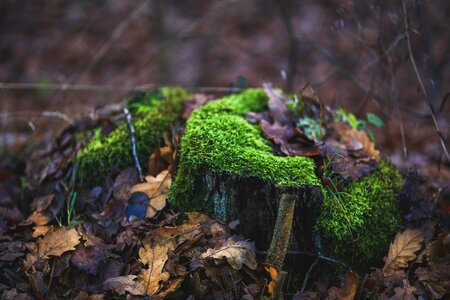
{"x":362,"y":219}
{"x":359,"y":220}
{"x":217,"y":137}
{"x":152,"y":116}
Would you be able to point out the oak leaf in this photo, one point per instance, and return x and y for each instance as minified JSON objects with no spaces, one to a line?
{"x":155,"y":188}
{"x":57,"y":241}
{"x":402,"y":250}
{"x":235,"y":252}
{"x":153,"y":257}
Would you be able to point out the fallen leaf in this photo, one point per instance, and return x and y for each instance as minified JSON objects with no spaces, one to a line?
{"x":405,"y":292}
{"x":155,"y":188}
{"x":160,"y":160}
{"x":88,"y":259}
{"x":57,"y":241}
{"x":153,"y":258}
{"x":350,"y":151}
{"x":273,"y":275}
{"x":41,"y":203}
{"x":402,"y":250}
{"x":235,"y":252}
{"x":13,"y":294}
{"x":37,"y":218}
{"x":348,"y":291}
{"x":124,"y":284}
{"x":123,"y":183}
{"x":196,"y":101}
{"x":40,"y":230}
{"x":278,"y":108}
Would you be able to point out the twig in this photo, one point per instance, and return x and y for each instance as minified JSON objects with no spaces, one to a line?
{"x":305,"y":281}
{"x":329,"y":259}
{"x":107,"y":88}
{"x":51,"y":114}
{"x":133,"y":143}
{"x":293,"y":46}
{"x":422,"y":86}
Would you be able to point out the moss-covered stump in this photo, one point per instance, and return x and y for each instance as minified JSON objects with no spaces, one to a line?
{"x":254,"y":202}
{"x":228,"y":168}
{"x":153,"y":114}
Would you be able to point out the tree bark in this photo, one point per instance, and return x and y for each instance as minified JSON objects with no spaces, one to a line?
{"x":254,"y":202}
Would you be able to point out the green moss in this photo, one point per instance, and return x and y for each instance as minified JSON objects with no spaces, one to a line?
{"x":217,"y":137}
{"x":152,"y":116}
{"x":362,"y":219}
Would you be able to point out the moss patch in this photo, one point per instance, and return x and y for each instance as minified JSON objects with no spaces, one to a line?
{"x":217,"y":137}
{"x":363,"y":218}
{"x":152,"y":116}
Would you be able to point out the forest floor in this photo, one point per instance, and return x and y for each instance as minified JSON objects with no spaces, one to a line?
{"x":58,"y":242}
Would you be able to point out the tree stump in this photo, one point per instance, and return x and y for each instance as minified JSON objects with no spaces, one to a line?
{"x":254,"y":202}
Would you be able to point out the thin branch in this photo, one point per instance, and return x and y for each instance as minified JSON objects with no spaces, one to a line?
{"x":422,"y":86}
{"x":50,"y":114}
{"x":305,"y":281}
{"x":133,"y":143}
{"x":107,"y":88}
{"x":293,"y":46}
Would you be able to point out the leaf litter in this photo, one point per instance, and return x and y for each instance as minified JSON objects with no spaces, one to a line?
{"x":111,"y":251}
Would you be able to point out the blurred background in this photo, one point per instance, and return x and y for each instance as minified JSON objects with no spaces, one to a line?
{"x":60,"y":60}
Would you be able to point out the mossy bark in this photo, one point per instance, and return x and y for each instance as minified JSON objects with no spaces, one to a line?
{"x":254,"y":202}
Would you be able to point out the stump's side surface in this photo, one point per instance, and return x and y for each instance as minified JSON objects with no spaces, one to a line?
{"x":254,"y":202}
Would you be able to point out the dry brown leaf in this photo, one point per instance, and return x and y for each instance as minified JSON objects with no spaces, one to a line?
{"x":37,"y":218}
{"x":348,"y":291}
{"x":357,"y":142}
{"x":273,"y":275}
{"x":40,"y":230}
{"x":41,"y":203}
{"x":57,"y":241}
{"x":153,"y":258}
{"x":124,"y":284}
{"x":402,"y":250}
{"x":236,"y":253}
{"x":155,"y":188}
{"x":405,"y":292}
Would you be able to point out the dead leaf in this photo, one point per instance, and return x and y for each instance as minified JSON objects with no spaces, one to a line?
{"x":402,"y":250}
{"x":348,"y":291}
{"x":405,"y":292}
{"x":160,"y":160}
{"x":13,"y":294}
{"x":357,"y":142}
{"x":37,"y":218}
{"x":153,"y":258}
{"x":40,"y":230}
{"x":155,"y":188}
{"x":57,"y":241}
{"x":124,"y":284}
{"x":41,"y":203}
{"x":123,"y":183}
{"x":235,"y":252}
{"x":88,"y":259}
{"x":278,"y":108}
{"x":273,"y":276}
{"x":196,"y":101}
